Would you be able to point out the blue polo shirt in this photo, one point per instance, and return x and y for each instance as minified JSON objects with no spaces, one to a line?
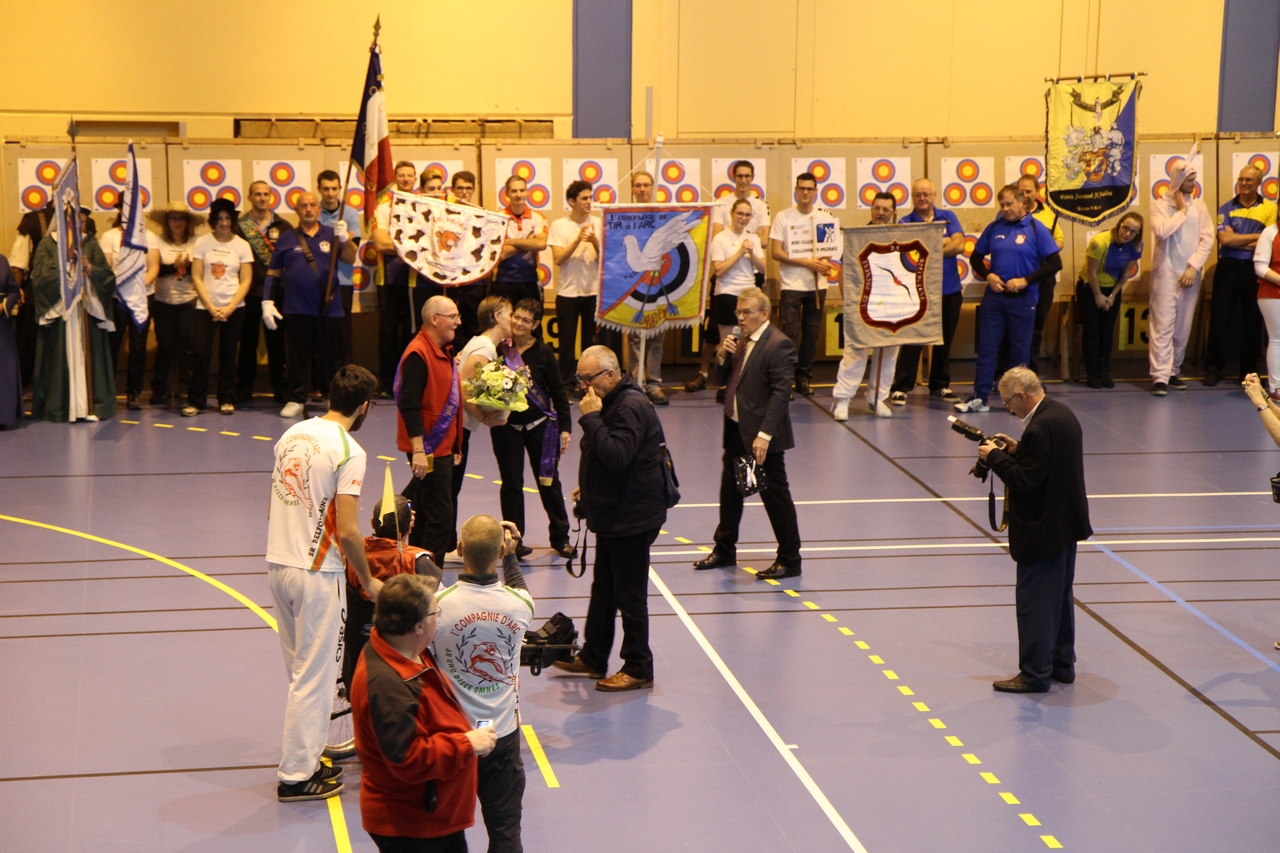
{"x":352,"y":217}
{"x":303,"y":289}
{"x":950,"y":269}
{"x":1015,"y":249}
{"x":1244,"y":220}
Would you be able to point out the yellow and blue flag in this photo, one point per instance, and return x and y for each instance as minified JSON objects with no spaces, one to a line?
{"x":1089,"y":156}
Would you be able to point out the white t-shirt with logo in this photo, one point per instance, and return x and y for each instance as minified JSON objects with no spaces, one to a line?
{"x":742,"y":274}
{"x":580,"y":272}
{"x":759,"y":212}
{"x":316,"y":461}
{"x":796,"y":232}
{"x":175,"y":288}
{"x":477,"y":645}
{"x":222,"y":262}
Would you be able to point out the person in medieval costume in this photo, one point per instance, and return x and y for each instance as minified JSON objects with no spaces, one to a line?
{"x":10,"y":373}
{"x":65,"y":376}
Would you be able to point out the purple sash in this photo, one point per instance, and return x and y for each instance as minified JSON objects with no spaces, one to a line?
{"x":551,"y":437}
{"x":447,"y":414}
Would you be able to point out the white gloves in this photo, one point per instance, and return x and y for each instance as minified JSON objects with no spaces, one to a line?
{"x":269,"y":314}
{"x":340,"y":231}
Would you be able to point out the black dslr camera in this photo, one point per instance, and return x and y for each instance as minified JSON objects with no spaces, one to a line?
{"x":980,"y":469}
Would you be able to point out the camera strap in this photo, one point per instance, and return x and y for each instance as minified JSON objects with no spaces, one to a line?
{"x":581,"y":544}
{"x":991,"y":508}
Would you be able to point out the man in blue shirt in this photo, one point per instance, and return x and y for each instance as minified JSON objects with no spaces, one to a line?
{"x":1023,"y":255}
{"x":1240,"y":221}
{"x":300,"y":266}
{"x":904,"y":376}
{"x":330,"y":187}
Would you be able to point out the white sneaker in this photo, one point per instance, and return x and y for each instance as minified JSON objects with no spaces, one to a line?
{"x":840,"y":410}
{"x":882,"y":411}
{"x":898,"y":398}
{"x":293,"y":410}
{"x":974,"y":404}
{"x":453,"y":558}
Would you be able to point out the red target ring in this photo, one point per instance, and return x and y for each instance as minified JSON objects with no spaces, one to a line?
{"x":231,"y":194}
{"x":590,"y":171}
{"x":1261,"y":162}
{"x":758,"y":191}
{"x":867,"y":193}
{"x":970,"y":241}
{"x":722,"y":191}
{"x":47,"y":172}
{"x":282,"y":174}
{"x":355,"y":198}
{"x":834,"y":276}
{"x":981,"y":194}
{"x":524,"y":170}
{"x":291,"y":196}
{"x":962,"y":267}
{"x":359,"y":278}
{"x":34,"y":197}
{"x":820,"y":170}
{"x":883,"y":170}
{"x":967,"y":170}
{"x":1270,"y":187}
{"x":439,"y":169}
{"x":954,"y":194}
{"x":663,"y":195}
{"x":1158,"y":189}
{"x":538,"y":196}
{"x":368,"y":253}
{"x":199,"y":198}
{"x":672,"y":172}
{"x":145,"y":194}
{"x":832,"y":195}
{"x":604,"y":194}
{"x":1031,"y":166}
{"x":106,"y":197}
{"x":544,"y":275}
{"x":275,"y":197}
{"x":899,"y":192}
{"x":119,"y":171}
{"x":503,"y":199}
{"x":687,"y":194}
{"x":212,"y":173}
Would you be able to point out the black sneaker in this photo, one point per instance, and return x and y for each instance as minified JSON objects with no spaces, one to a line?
{"x":1177,"y":384}
{"x":329,"y":772}
{"x":523,"y":551}
{"x":315,"y":788}
{"x":803,"y":388}
{"x":1107,"y":380}
{"x":1159,"y":389}
{"x":1212,"y":377}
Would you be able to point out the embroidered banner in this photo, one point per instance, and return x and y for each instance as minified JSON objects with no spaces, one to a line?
{"x":654,"y":265}
{"x":450,"y":244}
{"x":1089,"y":148}
{"x":66,"y":199}
{"x":893,"y":284}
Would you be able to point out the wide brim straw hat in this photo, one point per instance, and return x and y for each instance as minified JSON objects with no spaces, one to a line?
{"x":160,"y":214}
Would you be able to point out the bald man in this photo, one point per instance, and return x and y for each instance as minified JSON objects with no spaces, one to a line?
{"x":923,"y":197}
{"x":312,"y":321}
{"x":1240,"y":221}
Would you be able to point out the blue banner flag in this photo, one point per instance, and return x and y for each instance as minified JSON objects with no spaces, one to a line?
{"x":131,"y":262}
{"x":66,"y":199}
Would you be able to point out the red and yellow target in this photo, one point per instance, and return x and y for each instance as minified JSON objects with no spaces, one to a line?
{"x":524,"y":170}
{"x":899,"y":192}
{"x":213,"y":173}
{"x":832,"y":195}
{"x":962,"y":267}
{"x":1271,"y":188}
{"x":355,"y":198}
{"x":439,"y":169}
{"x":1159,"y":188}
{"x":145,"y":194}
{"x":687,"y":194}
{"x":199,"y":198}
{"x":967,"y":170}
{"x":954,"y":194}
{"x":34,"y":197}
{"x":368,"y":253}
{"x":672,"y":172}
{"x":883,"y":170}
{"x":275,"y":197}
{"x":590,"y":171}
{"x":604,"y":194}
{"x":107,"y":196}
{"x":231,"y":194}
{"x":833,"y":277}
{"x":867,"y":193}
{"x":1261,"y":162}
{"x":291,"y":196}
{"x":722,"y":191}
{"x":970,"y":241}
{"x":359,"y":278}
{"x":47,"y":172}
{"x":663,"y":195}
{"x":538,"y":196}
{"x":1031,"y":166}
{"x":119,"y":171}
{"x":544,"y":275}
{"x":981,"y":194}
{"x":282,"y":174}
{"x":821,"y":170}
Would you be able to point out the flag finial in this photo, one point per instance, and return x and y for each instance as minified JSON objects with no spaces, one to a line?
{"x":377,"y":28}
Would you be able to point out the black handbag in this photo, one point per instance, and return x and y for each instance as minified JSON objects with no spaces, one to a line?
{"x":555,"y":640}
{"x":749,"y":476}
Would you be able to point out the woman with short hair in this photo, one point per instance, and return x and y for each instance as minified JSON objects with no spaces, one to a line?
{"x":221,"y":270}
{"x":175,"y":297}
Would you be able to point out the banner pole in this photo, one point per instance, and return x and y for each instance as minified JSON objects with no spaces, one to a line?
{"x":879,"y":364}
{"x":333,"y":257}
{"x":640,"y":367}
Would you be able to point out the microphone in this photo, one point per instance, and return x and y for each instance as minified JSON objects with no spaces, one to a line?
{"x":737,"y":332}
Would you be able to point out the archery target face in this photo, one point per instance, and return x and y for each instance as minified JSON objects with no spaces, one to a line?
{"x":963,"y":264}
{"x":881,"y":174}
{"x":1263,"y":161}
{"x":1029,"y":164}
{"x":722,"y":176}
{"x":200,"y":193}
{"x":35,"y":182}
{"x":355,"y":188}
{"x":968,"y":182}
{"x":1160,"y":167}
{"x":109,"y":174}
{"x":831,"y":178}
{"x":680,"y":180}
{"x":536,"y":172}
{"x":287,"y":179}
{"x":600,"y":172}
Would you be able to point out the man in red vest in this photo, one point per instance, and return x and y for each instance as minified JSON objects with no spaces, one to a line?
{"x":429,"y":429}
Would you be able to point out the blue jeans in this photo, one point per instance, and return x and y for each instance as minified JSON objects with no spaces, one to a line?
{"x":998,"y":316}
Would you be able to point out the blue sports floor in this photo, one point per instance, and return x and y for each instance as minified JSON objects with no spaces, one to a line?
{"x":848,"y":709}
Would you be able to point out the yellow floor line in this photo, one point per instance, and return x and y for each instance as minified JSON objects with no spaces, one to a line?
{"x":535,"y":746}
{"x":341,"y":839}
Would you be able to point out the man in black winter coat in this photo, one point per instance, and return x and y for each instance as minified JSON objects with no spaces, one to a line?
{"x":1048,"y":515}
{"x":621,"y":490}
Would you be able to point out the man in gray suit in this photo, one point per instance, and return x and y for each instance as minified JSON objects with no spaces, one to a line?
{"x":757,"y":368}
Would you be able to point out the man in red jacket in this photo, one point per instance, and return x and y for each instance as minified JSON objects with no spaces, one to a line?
{"x":418,"y":789}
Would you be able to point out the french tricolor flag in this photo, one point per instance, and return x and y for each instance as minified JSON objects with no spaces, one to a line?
{"x":371,"y":150}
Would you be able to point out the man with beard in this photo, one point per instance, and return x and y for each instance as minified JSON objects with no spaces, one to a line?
{"x":313,"y":532}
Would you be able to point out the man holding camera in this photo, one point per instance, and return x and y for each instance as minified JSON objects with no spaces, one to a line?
{"x":1048,"y":515}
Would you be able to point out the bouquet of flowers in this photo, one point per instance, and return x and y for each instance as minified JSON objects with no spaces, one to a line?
{"x":498,"y":388}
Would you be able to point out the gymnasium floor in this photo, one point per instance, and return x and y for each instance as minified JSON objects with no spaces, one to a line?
{"x":850,"y":708}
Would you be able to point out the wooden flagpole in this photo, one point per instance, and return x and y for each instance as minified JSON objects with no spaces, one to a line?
{"x":86,"y":281}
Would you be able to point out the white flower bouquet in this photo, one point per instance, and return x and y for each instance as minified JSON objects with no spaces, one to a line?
{"x":498,"y":388}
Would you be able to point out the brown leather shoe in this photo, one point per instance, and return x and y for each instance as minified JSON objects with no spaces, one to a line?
{"x":620,"y":681}
{"x":577,"y":667}
{"x":1016,"y":685}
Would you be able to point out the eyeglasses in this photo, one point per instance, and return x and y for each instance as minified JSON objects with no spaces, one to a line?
{"x":454,"y":316}
{"x":743,"y":312}
{"x":435,"y":612}
{"x":523,"y":319}
{"x":583,"y":380}
{"x":806,"y":189}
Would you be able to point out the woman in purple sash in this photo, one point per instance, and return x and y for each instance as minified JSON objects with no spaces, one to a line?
{"x":542,"y":430}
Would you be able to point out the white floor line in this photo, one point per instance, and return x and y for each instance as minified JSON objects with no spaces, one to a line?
{"x":770,"y":732}
{"x":924,"y":546}
{"x":983,"y":498}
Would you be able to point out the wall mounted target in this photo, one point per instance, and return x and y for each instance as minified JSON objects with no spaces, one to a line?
{"x":874,"y":175}
{"x":1160,"y":168}
{"x":680,"y":179}
{"x":722,"y":170}
{"x":109,"y":175}
{"x":47,"y":172}
{"x":286,"y":178}
{"x":1015,"y":166}
{"x":534,"y":171}
{"x":968,"y":182}
{"x":200,"y":193}
{"x":1266,"y":163}
{"x":34,"y":198}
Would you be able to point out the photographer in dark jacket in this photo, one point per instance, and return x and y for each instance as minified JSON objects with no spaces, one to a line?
{"x":1048,"y":515}
{"x":621,"y":489}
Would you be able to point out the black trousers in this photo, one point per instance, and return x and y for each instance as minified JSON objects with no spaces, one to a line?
{"x":777,"y":501}
{"x":456,"y":843}
{"x":1044,"y":301}
{"x":395,"y":328}
{"x":510,"y":445}
{"x":459,"y":477}
{"x":307,"y":336}
{"x":500,"y":790}
{"x":228,"y":340}
{"x":25,"y":328}
{"x":1046,"y":618}
{"x":432,"y":499}
{"x":247,"y":373}
{"x":468,"y":298}
{"x":904,"y":374}
{"x":1234,"y":284}
{"x":137,"y":364}
{"x":570,"y":311}
{"x":620,"y":584}
{"x":1099,"y":326}
{"x":800,"y":316}
{"x":348,"y":297}
{"x":174,"y":342}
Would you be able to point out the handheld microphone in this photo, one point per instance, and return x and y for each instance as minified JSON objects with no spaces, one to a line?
{"x":737,"y":332}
